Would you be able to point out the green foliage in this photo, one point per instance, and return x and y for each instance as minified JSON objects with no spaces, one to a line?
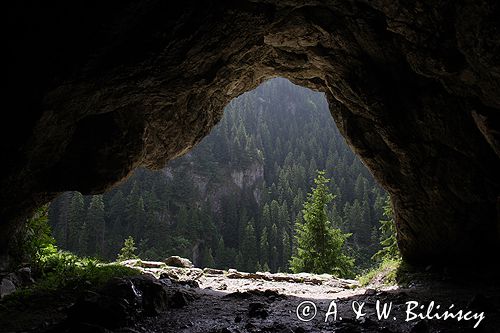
{"x":208,"y":258}
{"x":128,"y":250}
{"x":35,"y":240}
{"x":265,"y":267}
{"x":320,"y":247}
{"x":249,"y":248}
{"x":55,"y":269}
{"x":39,"y":230}
{"x":61,"y":270}
{"x":390,"y":250}
{"x":386,"y":273}
{"x":65,"y":271}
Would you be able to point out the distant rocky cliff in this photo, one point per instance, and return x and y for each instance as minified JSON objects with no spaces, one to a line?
{"x":214,"y":190}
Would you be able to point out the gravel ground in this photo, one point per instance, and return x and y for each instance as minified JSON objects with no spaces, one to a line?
{"x":252,"y":304}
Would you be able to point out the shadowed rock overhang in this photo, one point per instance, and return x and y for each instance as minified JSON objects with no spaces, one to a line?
{"x":96,"y":89}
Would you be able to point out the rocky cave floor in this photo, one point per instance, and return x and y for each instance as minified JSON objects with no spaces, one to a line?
{"x":168,"y":299}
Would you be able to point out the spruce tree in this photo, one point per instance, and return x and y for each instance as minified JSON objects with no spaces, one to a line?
{"x":287,"y":250}
{"x":388,"y":240}
{"x":208,"y":259}
{"x":220,"y":254}
{"x":75,"y":221}
{"x":128,"y":250}
{"x":249,"y":247}
{"x":320,"y":247}
{"x":265,"y":267}
{"x":92,"y":240}
{"x":264,"y":246}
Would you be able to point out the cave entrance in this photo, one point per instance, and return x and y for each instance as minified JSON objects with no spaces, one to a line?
{"x":420,"y":109}
{"x":234,"y":200}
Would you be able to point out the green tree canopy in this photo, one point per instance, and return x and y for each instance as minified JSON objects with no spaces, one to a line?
{"x":128,"y":250}
{"x":320,"y":247}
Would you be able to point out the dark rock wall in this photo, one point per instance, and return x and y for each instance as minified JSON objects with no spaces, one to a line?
{"x":96,"y":89}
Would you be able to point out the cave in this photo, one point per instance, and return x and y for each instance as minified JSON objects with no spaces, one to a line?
{"x":96,"y":90}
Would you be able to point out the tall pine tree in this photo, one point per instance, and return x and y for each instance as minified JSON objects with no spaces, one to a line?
{"x":320,"y":247}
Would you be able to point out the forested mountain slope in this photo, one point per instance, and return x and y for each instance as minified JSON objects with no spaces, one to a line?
{"x":233,"y":200}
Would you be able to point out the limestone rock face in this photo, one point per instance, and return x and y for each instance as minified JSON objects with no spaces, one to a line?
{"x":96,"y":90}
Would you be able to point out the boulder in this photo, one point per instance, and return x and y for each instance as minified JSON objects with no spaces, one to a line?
{"x":177,"y":261}
{"x":7,"y":287}
{"x":24,"y":276}
{"x":123,"y":300}
{"x":154,"y":295}
{"x":113,"y":306}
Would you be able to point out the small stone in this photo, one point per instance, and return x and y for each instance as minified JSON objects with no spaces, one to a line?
{"x":24,"y":275}
{"x":370,"y":292}
{"x":273,"y":294}
{"x":222,"y":287}
{"x":213,"y":271}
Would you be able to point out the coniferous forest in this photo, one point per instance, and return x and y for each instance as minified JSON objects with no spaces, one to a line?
{"x":233,"y":200}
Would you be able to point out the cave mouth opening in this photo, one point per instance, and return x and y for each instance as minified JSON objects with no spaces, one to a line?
{"x":235,"y":199}
{"x":419,"y":109}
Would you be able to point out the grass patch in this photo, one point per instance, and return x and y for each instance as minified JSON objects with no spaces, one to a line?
{"x":62,"y":272}
{"x":61,"y":278}
{"x":387,"y":273}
